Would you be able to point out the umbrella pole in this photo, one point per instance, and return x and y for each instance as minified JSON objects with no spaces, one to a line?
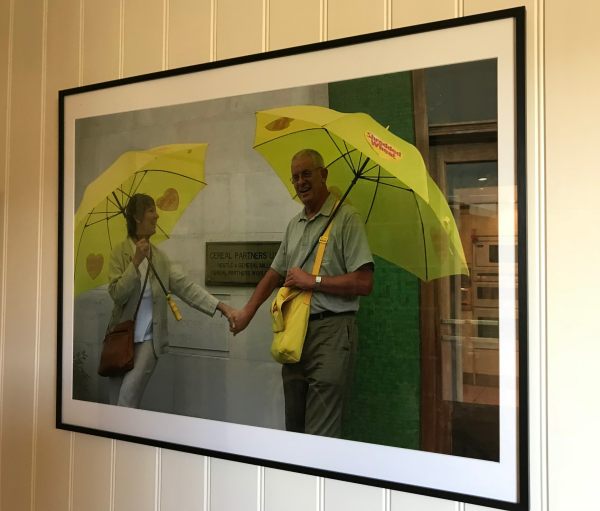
{"x":331,"y":217}
{"x":170,"y":301}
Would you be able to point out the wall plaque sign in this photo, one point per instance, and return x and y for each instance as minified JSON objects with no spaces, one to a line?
{"x":235,"y":263}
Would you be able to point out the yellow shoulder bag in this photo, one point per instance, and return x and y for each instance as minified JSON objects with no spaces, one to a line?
{"x":290,"y":311}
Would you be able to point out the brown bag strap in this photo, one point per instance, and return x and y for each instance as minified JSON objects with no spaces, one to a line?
{"x":137,"y":307}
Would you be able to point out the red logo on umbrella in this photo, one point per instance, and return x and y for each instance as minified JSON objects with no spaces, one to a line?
{"x":382,"y":147}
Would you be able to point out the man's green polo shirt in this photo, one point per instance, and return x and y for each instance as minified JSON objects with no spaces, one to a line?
{"x":346,"y":251}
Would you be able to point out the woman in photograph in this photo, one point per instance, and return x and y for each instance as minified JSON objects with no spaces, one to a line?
{"x":130,"y":261}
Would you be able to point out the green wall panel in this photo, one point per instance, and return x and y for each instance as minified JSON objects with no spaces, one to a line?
{"x":384,"y":401}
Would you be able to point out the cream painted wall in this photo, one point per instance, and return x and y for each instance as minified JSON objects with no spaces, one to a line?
{"x":47,"y":45}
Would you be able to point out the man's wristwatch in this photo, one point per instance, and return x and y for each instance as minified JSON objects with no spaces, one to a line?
{"x":318,"y":280}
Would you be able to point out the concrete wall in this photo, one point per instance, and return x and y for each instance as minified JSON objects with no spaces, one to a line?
{"x":47,"y":45}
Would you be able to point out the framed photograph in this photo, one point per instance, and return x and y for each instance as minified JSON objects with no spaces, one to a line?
{"x":179,"y":188}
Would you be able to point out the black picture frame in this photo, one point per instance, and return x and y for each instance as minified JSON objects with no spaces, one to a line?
{"x":496,"y":35}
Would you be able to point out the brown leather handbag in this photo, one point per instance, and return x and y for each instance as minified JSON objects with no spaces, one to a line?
{"x":117,"y":354}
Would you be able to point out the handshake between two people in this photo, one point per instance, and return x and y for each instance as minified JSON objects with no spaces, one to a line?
{"x":239,"y":319}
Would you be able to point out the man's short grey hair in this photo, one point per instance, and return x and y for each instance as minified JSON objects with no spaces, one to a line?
{"x":315,"y":156}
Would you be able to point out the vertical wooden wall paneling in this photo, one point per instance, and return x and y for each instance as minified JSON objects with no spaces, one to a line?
{"x":364,"y":16}
{"x":304,"y":16}
{"x":143,"y":36}
{"x":189,"y":32}
{"x":207,"y":484}
{"x":239,"y":28}
{"x":6,"y":55}
{"x":143,"y":50}
{"x":101,"y":59}
{"x":266,"y":9}
{"x":572,"y":109}
{"x":214,"y":12}
{"x":536,"y":230}
{"x":324,"y":20}
{"x":538,"y":381}
{"x":92,"y":473}
{"x":23,"y":257}
{"x":135,"y":477}
{"x":344,"y":496}
{"x":91,"y":456}
{"x":54,"y":447}
{"x":406,"y":13}
{"x":277,"y":491}
{"x":101,"y":41}
{"x":401,"y":501}
{"x":225,"y":476}
{"x":183,"y":481}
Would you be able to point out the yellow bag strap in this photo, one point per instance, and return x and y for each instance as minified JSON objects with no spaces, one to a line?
{"x":320,"y":252}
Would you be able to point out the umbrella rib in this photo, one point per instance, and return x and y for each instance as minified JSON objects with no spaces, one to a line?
{"x":288,"y":134}
{"x":374,"y":197}
{"x":423,"y":234}
{"x":163,"y":231}
{"x":80,"y":241}
{"x":178,"y":174}
{"x":383,"y":183}
{"x":343,"y":154}
{"x":103,"y":219}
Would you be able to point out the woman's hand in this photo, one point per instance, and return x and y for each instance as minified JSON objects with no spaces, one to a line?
{"x":142,"y":250}
{"x":228,"y":312}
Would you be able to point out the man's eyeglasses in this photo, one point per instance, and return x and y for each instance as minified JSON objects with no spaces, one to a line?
{"x":305,"y":175}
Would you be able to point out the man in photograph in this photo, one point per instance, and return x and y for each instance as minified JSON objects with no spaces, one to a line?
{"x":316,"y":388}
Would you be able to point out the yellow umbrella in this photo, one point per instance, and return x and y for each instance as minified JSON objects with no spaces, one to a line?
{"x":171,"y":174}
{"x":408,"y":220}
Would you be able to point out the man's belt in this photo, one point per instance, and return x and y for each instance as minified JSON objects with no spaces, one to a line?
{"x":328,"y":314}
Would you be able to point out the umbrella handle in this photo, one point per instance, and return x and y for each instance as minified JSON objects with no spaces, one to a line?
{"x":174,"y":308}
{"x":170,"y":301}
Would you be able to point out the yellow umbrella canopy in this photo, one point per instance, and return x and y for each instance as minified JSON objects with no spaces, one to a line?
{"x":408,"y":220}
{"x":171,"y":174}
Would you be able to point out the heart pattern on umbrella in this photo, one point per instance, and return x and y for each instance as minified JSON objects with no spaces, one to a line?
{"x":94,"y":264}
{"x":169,"y":200}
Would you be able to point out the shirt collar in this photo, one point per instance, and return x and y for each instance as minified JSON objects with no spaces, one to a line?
{"x":325,"y":210}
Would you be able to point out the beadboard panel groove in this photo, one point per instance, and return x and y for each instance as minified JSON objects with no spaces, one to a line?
{"x":344,"y":496}
{"x":92,"y":473}
{"x":101,"y":40}
{"x":233,"y":486}
{"x":405,"y":13}
{"x":5,"y":84}
{"x":286,"y":13}
{"x":182,"y":481}
{"x":135,"y":477}
{"x":53,"y":446}
{"x":188,"y":32}
{"x":410,"y":502}
{"x":572,"y":105}
{"x":21,"y":327}
{"x":238,"y":29}
{"x":143,"y":36}
{"x":365,"y":16}
{"x":277,"y":491}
